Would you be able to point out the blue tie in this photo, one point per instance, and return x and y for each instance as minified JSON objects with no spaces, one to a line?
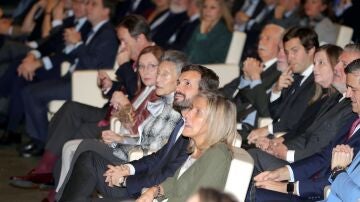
{"x":172,"y":138}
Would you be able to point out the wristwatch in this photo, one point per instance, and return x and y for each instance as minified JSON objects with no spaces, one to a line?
{"x":336,"y":171}
{"x":290,"y":188}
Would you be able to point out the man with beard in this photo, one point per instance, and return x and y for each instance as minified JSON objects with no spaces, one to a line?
{"x":130,"y":178}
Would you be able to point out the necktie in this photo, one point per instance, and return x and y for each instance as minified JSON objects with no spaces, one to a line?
{"x":352,"y":129}
{"x":89,"y":36}
{"x":296,"y":83}
{"x":172,"y":138}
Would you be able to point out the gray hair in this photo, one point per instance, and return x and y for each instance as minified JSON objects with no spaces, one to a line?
{"x":177,"y":57}
{"x":352,"y":47}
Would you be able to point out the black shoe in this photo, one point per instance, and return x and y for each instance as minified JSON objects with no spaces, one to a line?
{"x":8,"y":138}
{"x":35,"y":151}
{"x":27,"y":147}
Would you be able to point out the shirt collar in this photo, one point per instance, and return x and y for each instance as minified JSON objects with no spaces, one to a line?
{"x":99,"y":25}
{"x":268,"y":63}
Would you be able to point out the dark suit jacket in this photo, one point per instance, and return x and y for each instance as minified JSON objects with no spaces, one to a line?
{"x":92,"y":55}
{"x":55,"y":41}
{"x":155,"y":168}
{"x":124,"y":8}
{"x":183,"y":35}
{"x":257,"y":96}
{"x":287,"y":110}
{"x":330,"y":119}
{"x":313,"y":172}
{"x":162,"y":33}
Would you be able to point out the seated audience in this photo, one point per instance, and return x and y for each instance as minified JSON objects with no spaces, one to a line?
{"x":153,"y":169}
{"x":308,"y":177}
{"x":215,"y":26}
{"x":311,"y":133}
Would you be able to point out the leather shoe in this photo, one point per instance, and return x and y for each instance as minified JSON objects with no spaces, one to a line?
{"x":27,"y":147}
{"x":8,"y":138}
{"x":32,"y":180}
{"x":36,"y":151}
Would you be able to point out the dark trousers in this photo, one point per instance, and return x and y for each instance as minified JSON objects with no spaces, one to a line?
{"x":37,"y":97}
{"x":87,"y":176}
{"x":11,"y":85}
{"x":73,"y":121}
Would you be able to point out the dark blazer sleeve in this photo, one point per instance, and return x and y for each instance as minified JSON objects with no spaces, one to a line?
{"x":92,"y":55}
{"x":229,"y":89}
{"x":149,"y":173}
{"x":126,"y":80}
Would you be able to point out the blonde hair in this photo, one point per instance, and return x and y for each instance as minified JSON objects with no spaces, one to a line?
{"x":221,"y":121}
{"x":225,"y":13}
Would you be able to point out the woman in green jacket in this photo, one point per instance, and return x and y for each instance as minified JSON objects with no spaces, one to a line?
{"x":210,"y":123}
{"x":211,"y":39}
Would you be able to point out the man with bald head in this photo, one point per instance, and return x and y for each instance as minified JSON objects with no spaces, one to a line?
{"x":249,"y":91}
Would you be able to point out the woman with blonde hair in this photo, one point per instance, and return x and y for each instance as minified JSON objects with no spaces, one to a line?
{"x":210,"y":123}
{"x":211,"y":39}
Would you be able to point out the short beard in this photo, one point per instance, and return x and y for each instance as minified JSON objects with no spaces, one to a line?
{"x":179,"y":106}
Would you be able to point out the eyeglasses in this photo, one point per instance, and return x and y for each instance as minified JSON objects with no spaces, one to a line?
{"x":151,"y":67}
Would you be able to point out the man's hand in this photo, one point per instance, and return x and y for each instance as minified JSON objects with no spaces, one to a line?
{"x":272,"y":185}
{"x":263,"y":143}
{"x":278,"y":149}
{"x":148,"y":195}
{"x":71,"y":36}
{"x":58,"y":11}
{"x":123,"y":55}
{"x":104,"y":81}
{"x":342,"y":156}
{"x":241,"y":17}
{"x":28,"y":67}
{"x":109,"y":137}
{"x":279,"y":11}
{"x":278,"y":175}
{"x":5,"y":25}
{"x":119,"y":100}
{"x":285,"y":80}
{"x":252,"y":69}
{"x":115,"y":174}
{"x":256,"y":134}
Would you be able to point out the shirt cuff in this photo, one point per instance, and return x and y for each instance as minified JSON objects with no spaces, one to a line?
{"x":255,"y":83}
{"x":32,"y":44}
{"x":270,"y":129}
{"x":56,"y":23}
{"x":290,"y":156}
{"x":296,"y":189}
{"x":47,"y":63}
{"x":274,"y":96}
{"x":36,"y":53}
{"x":291,"y":173}
{"x":131,"y":168}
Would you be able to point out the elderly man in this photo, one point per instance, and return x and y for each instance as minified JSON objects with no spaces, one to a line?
{"x":249,"y":91}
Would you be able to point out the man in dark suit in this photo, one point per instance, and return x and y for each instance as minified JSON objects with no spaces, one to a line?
{"x":249,"y":91}
{"x":291,"y":94}
{"x":308,"y":177}
{"x":78,"y":121}
{"x":149,"y":170}
{"x":46,"y":59}
{"x":332,"y":116}
{"x":162,"y":33}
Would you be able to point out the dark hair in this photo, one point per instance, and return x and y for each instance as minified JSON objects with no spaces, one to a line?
{"x":136,"y":25}
{"x":110,"y":4}
{"x":157,"y":51}
{"x":306,"y":35}
{"x":209,"y":80}
{"x":353,"y":66}
{"x":213,"y":195}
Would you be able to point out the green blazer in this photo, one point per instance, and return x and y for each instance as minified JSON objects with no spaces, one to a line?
{"x":210,"y":170}
{"x":211,"y":47}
